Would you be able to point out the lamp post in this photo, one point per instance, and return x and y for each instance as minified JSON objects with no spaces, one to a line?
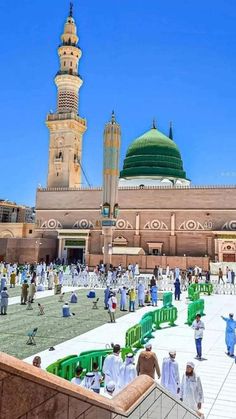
{"x":110,"y":253}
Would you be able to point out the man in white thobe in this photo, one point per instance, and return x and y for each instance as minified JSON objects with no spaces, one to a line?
{"x":136,"y":270}
{"x":61,"y":277}
{"x":170,"y":374}
{"x":229,"y":277}
{"x":127,"y":372}
{"x":191,"y":392}
{"x":112,"y":365}
{"x":141,"y":294}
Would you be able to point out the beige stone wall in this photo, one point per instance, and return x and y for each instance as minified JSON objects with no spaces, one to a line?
{"x":18,"y":230}
{"x":204,"y":198}
{"x":183,"y":220}
{"x":27,"y":250}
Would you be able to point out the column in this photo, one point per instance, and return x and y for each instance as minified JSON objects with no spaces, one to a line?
{"x":60,"y":248}
{"x":107,"y":232}
{"x":172,"y":224}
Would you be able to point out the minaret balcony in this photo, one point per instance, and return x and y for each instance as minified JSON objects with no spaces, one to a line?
{"x":69,"y":72}
{"x":66,"y":115}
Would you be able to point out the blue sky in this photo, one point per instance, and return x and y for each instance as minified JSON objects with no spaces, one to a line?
{"x":168,"y":59}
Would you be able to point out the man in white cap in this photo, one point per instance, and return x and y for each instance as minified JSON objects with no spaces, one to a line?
{"x":198,"y":327}
{"x":191,"y":392}
{"x":148,"y":362}
{"x":170,"y":374}
{"x":127,"y":371}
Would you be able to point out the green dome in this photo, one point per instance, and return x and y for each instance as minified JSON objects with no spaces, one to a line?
{"x":153,"y":155}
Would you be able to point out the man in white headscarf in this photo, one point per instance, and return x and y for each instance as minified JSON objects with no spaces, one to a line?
{"x":88,"y":381}
{"x":170,"y":374}
{"x":191,"y":392}
{"x":109,"y":390}
{"x":127,"y":371}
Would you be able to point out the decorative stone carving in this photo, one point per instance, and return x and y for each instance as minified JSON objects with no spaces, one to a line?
{"x":123,"y":224}
{"x":120,"y":241}
{"x":155,"y":225}
{"x":83,"y":224}
{"x":228,"y":247}
{"x":191,"y":225}
{"x":6,"y":234}
{"x":52,"y":224}
{"x":229,"y":225}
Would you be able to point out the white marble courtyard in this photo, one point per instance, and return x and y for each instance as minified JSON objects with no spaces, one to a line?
{"x":218,"y":372}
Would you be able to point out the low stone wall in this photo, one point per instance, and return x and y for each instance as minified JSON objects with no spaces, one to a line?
{"x":147,"y":263}
{"x":27,"y":392}
{"x":35,"y":249}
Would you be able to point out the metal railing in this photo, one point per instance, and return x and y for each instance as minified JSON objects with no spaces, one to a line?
{"x":66,"y":115}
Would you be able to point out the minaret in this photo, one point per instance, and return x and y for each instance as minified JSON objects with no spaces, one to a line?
{"x":66,"y":126}
{"x":111,"y":147}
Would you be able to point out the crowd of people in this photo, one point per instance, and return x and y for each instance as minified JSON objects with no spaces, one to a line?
{"x":117,"y":374}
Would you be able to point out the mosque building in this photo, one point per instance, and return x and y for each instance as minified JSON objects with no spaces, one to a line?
{"x":162,"y":218}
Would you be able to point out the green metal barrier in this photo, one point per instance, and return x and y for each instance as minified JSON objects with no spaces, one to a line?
{"x":165,"y":315}
{"x":85,"y":361}
{"x":133,"y":337}
{"x":193,"y":309}
{"x":55,"y":367}
{"x":193,"y":293}
{"x":65,"y":367}
{"x":167,"y":299}
{"x":103,"y":352}
{"x":146,"y":328}
{"x":206,"y":288}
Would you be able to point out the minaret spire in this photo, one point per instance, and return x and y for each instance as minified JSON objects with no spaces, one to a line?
{"x":113,"y":117}
{"x":71,"y":9}
{"x":171,"y":131}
